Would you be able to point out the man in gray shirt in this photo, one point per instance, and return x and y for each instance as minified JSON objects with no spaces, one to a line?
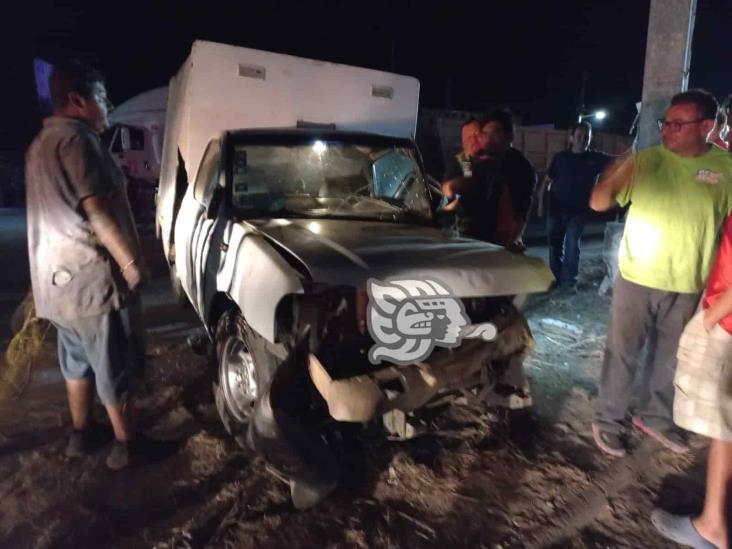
{"x":85,"y":259}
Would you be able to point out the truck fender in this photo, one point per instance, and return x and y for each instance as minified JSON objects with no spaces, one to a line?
{"x":257,"y":277}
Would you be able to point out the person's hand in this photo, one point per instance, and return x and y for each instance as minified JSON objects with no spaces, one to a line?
{"x":517,"y":246}
{"x":451,"y":206}
{"x":135,"y":275}
{"x":447,"y":190}
{"x":540,"y":210}
{"x":709,"y":321}
{"x":620,"y":173}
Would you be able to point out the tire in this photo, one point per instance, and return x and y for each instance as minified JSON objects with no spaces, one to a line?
{"x":245,"y":369}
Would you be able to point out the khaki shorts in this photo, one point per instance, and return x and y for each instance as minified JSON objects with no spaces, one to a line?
{"x":703,"y":401}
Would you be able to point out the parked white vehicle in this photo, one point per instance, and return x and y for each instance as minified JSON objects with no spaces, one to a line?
{"x":136,"y":140}
{"x":138,"y":126}
{"x":288,"y":186}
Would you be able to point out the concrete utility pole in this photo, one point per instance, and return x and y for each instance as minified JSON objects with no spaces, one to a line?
{"x":668,"y":56}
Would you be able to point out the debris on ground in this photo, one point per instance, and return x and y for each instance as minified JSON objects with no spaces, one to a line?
{"x":473,"y":477}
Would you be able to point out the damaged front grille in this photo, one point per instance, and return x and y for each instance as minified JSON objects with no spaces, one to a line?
{"x":336,"y":322}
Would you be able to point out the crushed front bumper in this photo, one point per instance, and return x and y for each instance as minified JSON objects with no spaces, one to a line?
{"x":407,"y":388}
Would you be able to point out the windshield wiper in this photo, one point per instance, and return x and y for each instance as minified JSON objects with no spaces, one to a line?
{"x":288,"y":212}
{"x":403,"y":214}
{"x":373,"y":200}
{"x":281,"y":212}
{"x":396,"y":209}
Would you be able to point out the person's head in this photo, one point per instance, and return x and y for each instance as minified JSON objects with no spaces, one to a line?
{"x":496,"y":131}
{"x":79,"y":91}
{"x":688,"y":121}
{"x":470,"y":134}
{"x":580,"y":135}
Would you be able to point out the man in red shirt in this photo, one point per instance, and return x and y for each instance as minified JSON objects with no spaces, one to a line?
{"x":703,"y":404}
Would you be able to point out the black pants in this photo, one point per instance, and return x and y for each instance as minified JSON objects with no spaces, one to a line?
{"x":565,"y":231}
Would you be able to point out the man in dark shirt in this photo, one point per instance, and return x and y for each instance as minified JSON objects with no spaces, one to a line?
{"x":494,"y":188}
{"x":463,"y":166}
{"x":571,"y":176}
{"x":85,"y":258}
{"x":490,"y":186}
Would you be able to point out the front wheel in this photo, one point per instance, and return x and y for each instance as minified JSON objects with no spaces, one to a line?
{"x":245,"y":368}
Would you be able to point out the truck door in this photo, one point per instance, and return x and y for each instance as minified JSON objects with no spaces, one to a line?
{"x":193,"y":225}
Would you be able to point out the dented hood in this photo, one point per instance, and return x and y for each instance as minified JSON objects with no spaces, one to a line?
{"x":349,"y":252}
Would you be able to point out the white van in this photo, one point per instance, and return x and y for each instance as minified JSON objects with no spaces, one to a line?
{"x":136,"y":140}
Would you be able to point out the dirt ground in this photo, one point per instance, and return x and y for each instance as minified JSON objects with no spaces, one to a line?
{"x":483,"y":479}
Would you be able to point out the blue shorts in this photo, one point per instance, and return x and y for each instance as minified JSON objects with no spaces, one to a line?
{"x":109,"y":347}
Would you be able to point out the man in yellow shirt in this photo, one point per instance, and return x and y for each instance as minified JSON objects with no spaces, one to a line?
{"x":680,"y":194}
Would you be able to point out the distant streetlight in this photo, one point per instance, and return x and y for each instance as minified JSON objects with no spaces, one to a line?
{"x":597,"y":115}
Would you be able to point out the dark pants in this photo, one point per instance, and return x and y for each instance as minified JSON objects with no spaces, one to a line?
{"x":565,"y":231}
{"x":637,"y":314}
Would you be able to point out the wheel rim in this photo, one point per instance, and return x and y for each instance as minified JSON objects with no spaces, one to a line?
{"x":239,"y":380}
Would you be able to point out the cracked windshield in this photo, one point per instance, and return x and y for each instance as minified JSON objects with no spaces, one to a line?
{"x":322,"y":179}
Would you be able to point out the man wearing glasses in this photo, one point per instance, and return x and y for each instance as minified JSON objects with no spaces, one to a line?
{"x":680,"y":194}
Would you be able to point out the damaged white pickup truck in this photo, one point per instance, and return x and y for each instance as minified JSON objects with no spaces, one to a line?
{"x":314,"y":259}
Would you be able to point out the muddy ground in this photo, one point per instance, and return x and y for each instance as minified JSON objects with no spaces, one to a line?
{"x":484,"y":479}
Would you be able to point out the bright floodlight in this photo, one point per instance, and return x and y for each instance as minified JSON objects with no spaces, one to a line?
{"x":319,"y":147}
{"x":600,"y":115}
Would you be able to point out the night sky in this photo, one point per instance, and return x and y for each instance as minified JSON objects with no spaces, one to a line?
{"x":530,"y":55}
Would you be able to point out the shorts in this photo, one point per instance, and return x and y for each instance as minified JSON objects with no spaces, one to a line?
{"x":703,"y":400}
{"x":109,"y":347}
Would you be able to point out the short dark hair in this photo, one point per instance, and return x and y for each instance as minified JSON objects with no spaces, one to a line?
{"x":72,"y":76}
{"x":471,"y":120}
{"x":502,"y":115}
{"x":583,"y":124}
{"x":705,"y":102}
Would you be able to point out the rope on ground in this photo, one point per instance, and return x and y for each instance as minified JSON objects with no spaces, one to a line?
{"x":22,"y":352}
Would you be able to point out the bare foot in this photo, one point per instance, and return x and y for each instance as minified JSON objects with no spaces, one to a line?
{"x":716,"y":534}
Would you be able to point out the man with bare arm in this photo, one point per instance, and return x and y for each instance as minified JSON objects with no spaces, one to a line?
{"x":85,"y":257}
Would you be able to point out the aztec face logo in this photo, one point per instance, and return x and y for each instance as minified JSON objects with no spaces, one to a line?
{"x":408,"y":318}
